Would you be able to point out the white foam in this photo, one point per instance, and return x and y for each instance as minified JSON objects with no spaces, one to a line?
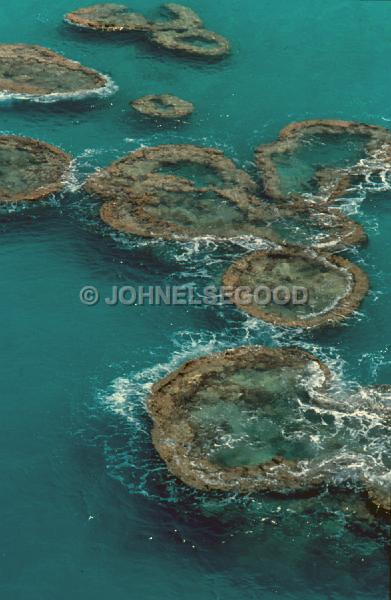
{"x":107,"y":90}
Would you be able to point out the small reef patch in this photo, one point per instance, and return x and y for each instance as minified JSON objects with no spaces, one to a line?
{"x":334,"y":287}
{"x":320,"y":159}
{"x":163,"y":106}
{"x":196,"y":42}
{"x":30,"y":169}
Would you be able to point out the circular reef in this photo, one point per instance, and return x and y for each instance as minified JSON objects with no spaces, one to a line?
{"x":296,"y":287}
{"x":163,"y":106}
{"x":30,"y":169}
{"x":232,"y":421}
{"x":108,"y":17}
{"x":321,"y":159}
{"x":34,"y":72}
{"x":180,"y":191}
{"x":195,"y":42}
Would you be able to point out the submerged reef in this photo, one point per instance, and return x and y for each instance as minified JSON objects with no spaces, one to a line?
{"x":172,"y":210}
{"x":34,"y":72}
{"x":183,"y":32}
{"x":226,"y":421}
{"x":108,"y":17}
{"x":175,"y":210}
{"x":334,"y":287}
{"x":324,"y":229}
{"x":30,"y":169}
{"x":179,"y":191}
{"x":319,"y":159}
{"x":196,"y":42}
{"x":163,"y":106}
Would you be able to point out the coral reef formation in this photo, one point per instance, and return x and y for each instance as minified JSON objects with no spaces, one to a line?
{"x":218,"y":420}
{"x":195,"y":42}
{"x":298,"y":163}
{"x":180,"y":191}
{"x":171,"y":211}
{"x":334,"y":287}
{"x":108,"y":17}
{"x":28,"y":71}
{"x":323,"y":229}
{"x":163,"y":106}
{"x":30,"y":169}
{"x":183,"y":32}
{"x":196,"y":167}
{"x":187,"y":191}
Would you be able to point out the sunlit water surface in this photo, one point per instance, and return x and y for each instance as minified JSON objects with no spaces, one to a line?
{"x":88,"y":509}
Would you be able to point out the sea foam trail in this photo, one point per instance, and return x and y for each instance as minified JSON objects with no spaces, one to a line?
{"x":101,"y":92}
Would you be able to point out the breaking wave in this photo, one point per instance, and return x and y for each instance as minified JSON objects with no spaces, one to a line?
{"x":102,"y":92}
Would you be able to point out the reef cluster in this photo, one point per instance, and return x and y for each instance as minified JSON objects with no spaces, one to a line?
{"x":182,"y":33}
{"x":185,"y":191}
{"x":234,"y":421}
{"x":169,"y":192}
{"x":179,"y":191}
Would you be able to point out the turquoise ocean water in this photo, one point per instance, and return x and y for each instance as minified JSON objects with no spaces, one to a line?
{"x":88,"y":511}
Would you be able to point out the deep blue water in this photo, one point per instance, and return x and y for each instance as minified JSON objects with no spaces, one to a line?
{"x":88,"y":511}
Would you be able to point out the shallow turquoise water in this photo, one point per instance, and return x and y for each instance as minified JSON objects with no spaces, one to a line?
{"x":88,"y":510}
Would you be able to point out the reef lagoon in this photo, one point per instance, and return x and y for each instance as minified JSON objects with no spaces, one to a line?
{"x":89,"y":510}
